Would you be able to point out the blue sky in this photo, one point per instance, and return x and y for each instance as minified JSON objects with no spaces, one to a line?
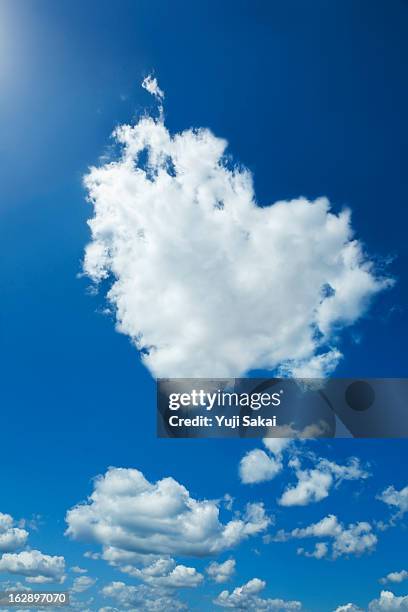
{"x":311,"y":99}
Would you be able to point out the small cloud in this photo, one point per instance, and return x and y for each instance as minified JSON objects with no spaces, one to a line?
{"x":12,"y":536}
{"x":314,"y":484}
{"x":256,"y":466}
{"x":395,"y":499}
{"x":78,"y":570}
{"x":246,"y":597}
{"x":354,"y":539}
{"x":151,"y":85}
{"x":141,"y":597}
{"x":82,"y":583}
{"x":221,"y":572}
{"x":395,"y":577}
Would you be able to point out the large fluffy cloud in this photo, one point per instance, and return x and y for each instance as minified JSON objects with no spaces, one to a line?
{"x":205,"y":281}
{"x":355,"y":539}
{"x":246,"y":597}
{"x":129,"y":515}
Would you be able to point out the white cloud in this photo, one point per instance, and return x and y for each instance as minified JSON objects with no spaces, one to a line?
{"x":151,"y":85}
{"x":395,"y":577}
{"x":348,"y":608}
{"x":142,"y":598}
{"x":246,"y":597}
{"x":221,"y":572}
{"x":313,"y":485}
{"x":355,"y":539}
{"x":82,"y":583}
{"x":277,"y":445}
{"x":388,"y":602}
{"x":78,"y":570}
{"x":320,"y":551}
{"x":396,"y":499}
{"x":257,"y":466}
{"x":34,"y":565}
{"x":11,"y":537}
{"x":119,"y":557}
{"x":205,"y":281}
{"x":128,"y":513}
{"x":92,"y":555}
{"x":165,"y":573}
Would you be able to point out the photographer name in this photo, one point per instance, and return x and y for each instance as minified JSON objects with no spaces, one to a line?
{"x":222,"y":421}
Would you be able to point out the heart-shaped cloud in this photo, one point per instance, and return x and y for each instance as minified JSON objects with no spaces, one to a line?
{"x":205,"y":281}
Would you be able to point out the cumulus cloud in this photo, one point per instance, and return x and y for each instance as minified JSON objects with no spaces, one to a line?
{"x":11,"y":537}
{"x":396,"y":499}
{"x":276,"y":446}
{"x":321,"y":550}
{"x":348,"y":608}
{"x":388,"y":602}
{"x":141,"y":598}
{"x":355,"y":539}
{"x":126,"y":513}
{"x":257,"y":466}
{"x":246,"y":597}
{"x":34,"y":565}
{"x":118,"y":557}
{"x":395,"y":577}
{"x":78,"y":570}
{"x":204,"y":280}
{"x":221,"y":572}
{"x":164,"y":572}
{"x":82,"y":583}
{"x":314,"y":484}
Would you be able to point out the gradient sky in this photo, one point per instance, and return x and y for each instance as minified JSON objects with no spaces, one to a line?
{"x":312,"y":98}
